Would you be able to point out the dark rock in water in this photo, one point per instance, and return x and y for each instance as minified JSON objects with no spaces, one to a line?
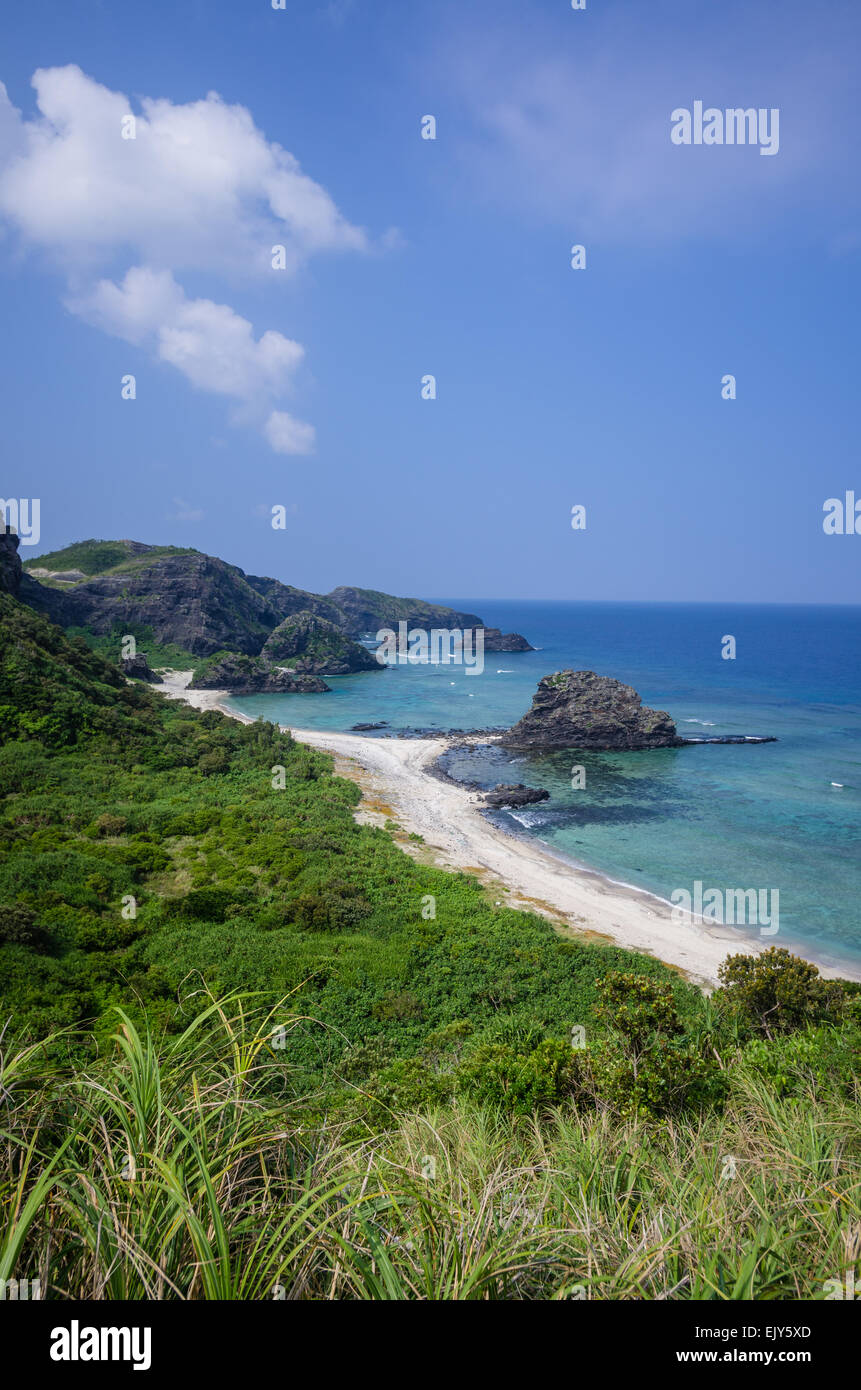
{"x":507,"y":794}
{"x":139,"y":669}
{"x":368,"y":728}
{"x":579,"y":709}
{"x":735,"y":738}
{"x":498,"y":641}
{"x":247,"y":675}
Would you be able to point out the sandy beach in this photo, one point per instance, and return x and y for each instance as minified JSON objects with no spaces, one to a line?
{"x":398,"y":786}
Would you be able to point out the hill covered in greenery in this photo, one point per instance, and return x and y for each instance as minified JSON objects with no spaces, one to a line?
{"x":241,"y":872}
{"x":188,"y":908}
{"x":182,"y":606}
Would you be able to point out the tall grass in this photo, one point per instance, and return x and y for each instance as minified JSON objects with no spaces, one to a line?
{"x":180,"y":1169}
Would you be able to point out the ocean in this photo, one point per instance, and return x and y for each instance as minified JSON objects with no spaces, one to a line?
{"x":778,"y":817}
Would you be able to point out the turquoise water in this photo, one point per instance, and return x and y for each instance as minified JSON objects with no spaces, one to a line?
{"x":756,"y":816}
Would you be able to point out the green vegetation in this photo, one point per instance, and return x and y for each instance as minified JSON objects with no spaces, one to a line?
{"x":202,"y":668}
{"x":104,"y":557}
{"x":158,"y":654}
{"x":250,"y":1042}
{"x":179,"y":1168}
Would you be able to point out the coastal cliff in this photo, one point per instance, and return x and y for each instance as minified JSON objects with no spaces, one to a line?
{"x":170,"y":596}
{"x":367,"y":611}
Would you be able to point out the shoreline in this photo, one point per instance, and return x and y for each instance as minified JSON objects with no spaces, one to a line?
{"x":399,"y":784}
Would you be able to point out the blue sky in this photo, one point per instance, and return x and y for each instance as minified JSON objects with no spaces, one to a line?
{"x":301,"y":387}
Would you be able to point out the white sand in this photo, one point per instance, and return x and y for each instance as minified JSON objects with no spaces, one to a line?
{"x":521,"y":873}
{"x":176,"y":688}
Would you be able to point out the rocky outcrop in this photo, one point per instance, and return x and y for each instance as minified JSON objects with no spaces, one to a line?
{"x":315,"y":646}
{"x":248,"y":675}
{"x":138,"y":668}
{"x":497,"y":641}
{"x":10,"y":563}
{"x":60,"y":576}
{"x":579,"y":709}
{"x":514,"y":794}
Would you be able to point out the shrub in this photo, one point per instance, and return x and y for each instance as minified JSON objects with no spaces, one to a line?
{"x":822,"y":1059}
{"x":499,"y":1075}
{"x":18,"y":927}
{"x":336,"y":906}
{"x":24,"y":766}
{"x":109,"y":824}
{"x":777,"y":992}
{"x":214,"y":763}
{"x":204,"y":904}
{"x":399,"y":1005}
{"x":646,"y":1065}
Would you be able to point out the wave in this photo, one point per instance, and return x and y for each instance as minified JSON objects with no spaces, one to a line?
{"x":528,"y":819}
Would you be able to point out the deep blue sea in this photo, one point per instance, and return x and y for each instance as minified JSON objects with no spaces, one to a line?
{"x":757,"y":816}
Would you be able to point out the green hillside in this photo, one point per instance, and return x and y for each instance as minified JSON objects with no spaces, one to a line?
{"x":235,"y":1005}
{"x":114,"y":790}
{"x":104,"y":557}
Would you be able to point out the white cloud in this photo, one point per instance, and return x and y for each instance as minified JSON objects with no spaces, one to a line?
{"x":198,"y":188}
{"x":211,"y":345}
{"x":186,"y":511}
{"x":289,"y":436}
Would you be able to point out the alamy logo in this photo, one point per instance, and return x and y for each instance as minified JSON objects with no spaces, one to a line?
{"x":76,"y":1343}
{"x":842,"y":1289}
{"x":17,"y":1290}
{"x":842,"y":518}
{"x":735,"y":126}
{"x":731,"y":907}
{"x":439,"y":647}
{"x":22,"y":515}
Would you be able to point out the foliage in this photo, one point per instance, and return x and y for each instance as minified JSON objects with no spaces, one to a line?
{"x":176,"y":1168}
{"x":777,"y":992}
{"x":158,"y":654}
{"x":102,"y":557}
{"x":647,"y":1064}
{"x":157,"y":1144}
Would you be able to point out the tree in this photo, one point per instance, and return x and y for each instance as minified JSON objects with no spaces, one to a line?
{"x":777,"y":992}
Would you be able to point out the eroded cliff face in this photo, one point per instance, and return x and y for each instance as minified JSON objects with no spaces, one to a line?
{"x":367,"y":610}
{"x":194,"y":600}
{"x":208,"y":607}
{"x":579,"y":709}
{"x":10,"y":564}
